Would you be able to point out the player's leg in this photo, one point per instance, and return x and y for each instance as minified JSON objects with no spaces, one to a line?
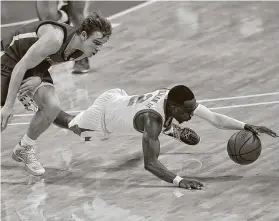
{"x":76,"y":12}
{"x":77,"y":15}
{"x":92,"y":119}
{"x":63,"y":119}
{"x":49,"y":107}
{"x":52,"y":10}
{"x":95,"y":118}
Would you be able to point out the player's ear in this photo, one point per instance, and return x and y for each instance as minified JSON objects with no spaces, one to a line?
{"x":83,"y":35}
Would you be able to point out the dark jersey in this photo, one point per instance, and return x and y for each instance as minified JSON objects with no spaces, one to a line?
{"x":18,"y":43}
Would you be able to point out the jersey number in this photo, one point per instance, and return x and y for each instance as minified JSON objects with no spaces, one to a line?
{"x":137,"y":99}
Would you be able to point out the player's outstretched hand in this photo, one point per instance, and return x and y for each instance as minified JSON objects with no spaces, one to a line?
{"x":190,"y":184}
{"x":29,"y":84}
{"x":260,"y":129}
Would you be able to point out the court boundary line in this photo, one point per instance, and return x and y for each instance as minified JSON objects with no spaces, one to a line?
{"x":211,"y":108}
{"x":18,"y":23}
{"x":244,"y":105}
{"x":239,"y":97}
{"x":111,"y":17}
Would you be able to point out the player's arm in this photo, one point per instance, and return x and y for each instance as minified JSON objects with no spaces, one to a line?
{"x":151,"y":151}
{"x":49,"y":42}
{"x":227,"y":123}
{"x":218,"y":120}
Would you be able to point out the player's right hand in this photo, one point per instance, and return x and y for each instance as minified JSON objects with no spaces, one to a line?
{"x":6,"y":116}
{"x":260,"y":129}
{"x":29,"y":84}
{"x":190,"y":184}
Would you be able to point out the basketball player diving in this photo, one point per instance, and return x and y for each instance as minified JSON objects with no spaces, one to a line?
{"x":152,"y":114}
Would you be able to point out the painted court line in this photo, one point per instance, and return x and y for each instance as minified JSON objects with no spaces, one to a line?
{"x":117,"y":15}
{"x":129,"y":10}
{"x":239,"y":97}
{"x":211,"y":108}
{"x":244,"y":105}
{"x":18,"y":23}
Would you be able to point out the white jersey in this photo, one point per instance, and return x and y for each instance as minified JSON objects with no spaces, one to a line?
{"x":115,"y":111}
{"x":122,"y":111}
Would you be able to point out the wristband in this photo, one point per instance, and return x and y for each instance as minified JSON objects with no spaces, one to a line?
{"x":177,"y":180}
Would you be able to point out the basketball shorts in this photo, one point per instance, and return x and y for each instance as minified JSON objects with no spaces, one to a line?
{"x":94,"y":118}
{"x":7,"y":65}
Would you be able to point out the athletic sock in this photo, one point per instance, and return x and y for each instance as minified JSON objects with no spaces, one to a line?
{"x":27,"y":141}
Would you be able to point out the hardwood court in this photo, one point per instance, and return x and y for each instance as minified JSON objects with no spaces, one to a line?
{"x":220,"y":50}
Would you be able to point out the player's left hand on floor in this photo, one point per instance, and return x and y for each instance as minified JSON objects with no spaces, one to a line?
{"x":190,"y":184}
{"x":260,"y":129}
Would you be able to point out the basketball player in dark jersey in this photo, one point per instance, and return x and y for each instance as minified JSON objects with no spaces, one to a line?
{"x":69,"y":12}
{"x":29,"y":52}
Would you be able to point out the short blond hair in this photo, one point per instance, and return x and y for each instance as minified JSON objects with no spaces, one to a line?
{"x":95,"y":22}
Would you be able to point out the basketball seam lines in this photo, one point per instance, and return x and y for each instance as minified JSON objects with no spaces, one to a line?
{"x":234,"y":147}
{"x":251,"y":150}
{"x":245,"y":153}
{"x":229,"y":147}
{"x":244,"y":144}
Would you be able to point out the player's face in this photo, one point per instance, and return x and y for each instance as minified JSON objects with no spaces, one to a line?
{"x":92,"y":44}
{"x":185,"y":112}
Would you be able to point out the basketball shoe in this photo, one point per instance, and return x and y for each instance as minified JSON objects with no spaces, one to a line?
{"x":26,"y":155}
{"x":183,"y":134}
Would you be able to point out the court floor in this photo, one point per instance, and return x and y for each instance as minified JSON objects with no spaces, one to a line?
{"x":227,"y":52}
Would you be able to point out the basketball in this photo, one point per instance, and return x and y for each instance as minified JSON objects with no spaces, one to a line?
{"x":244,"y":147}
